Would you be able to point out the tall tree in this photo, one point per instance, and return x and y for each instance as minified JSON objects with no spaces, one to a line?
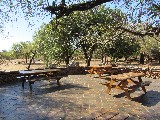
{"x":137,"y":10}
{"x":80,"y":30}
{"x":123,"y":47}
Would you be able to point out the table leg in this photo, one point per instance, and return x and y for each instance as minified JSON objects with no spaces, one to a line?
{"x":58,"y":83}
{"x":30,"y":85}
{"x":110,"y":86}
{"x":125,"y":88}
{"x":23,"y":81}
{"x":99,"y":74}
{"x":143,"y":87}
{"x":49,"y":78}
{"x":90,"y":72}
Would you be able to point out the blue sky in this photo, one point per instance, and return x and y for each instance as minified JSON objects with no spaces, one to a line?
{"x":18,"y":30}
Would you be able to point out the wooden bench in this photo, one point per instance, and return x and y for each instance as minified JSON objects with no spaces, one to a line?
{"x":37,"y":75}
{"x":153,"y":73}
{"x":33,"y":79}
{"x":123,"y":80}
{"x":100,"y":70}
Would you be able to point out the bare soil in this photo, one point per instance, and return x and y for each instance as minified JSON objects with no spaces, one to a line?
{"x":19,"y":64}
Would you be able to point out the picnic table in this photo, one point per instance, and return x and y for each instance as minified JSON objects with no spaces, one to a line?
{"x":100,"y":70}
{"x":153,"y":73}
{"x":34,"y":75}
{"x":126,"y":83}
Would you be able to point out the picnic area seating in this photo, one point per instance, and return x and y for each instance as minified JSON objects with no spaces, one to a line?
{"x":36,"y":75}
{"x":126,"y":83}
{"x":99,"y":70}
{"x":73,"y":64}
{"x":153,"y":73}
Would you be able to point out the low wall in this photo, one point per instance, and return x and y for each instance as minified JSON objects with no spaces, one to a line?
{"x":8,"y":77}
{"x":11,"y":77}
{"x":76,"y":70}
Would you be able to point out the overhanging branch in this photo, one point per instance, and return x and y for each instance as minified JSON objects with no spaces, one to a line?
{"x":151,"y":32}
{"x":62,"y":9}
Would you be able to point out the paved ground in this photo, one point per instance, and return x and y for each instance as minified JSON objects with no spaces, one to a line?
{"x":79,"y":97}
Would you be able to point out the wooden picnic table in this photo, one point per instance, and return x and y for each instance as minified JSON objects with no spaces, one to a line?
{"x":125,"y":82}
{"x":153,"y":73}
{"x":100,"y":70}
{"x":32,"y":75}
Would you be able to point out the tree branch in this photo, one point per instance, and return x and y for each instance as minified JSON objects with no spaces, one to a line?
{"x":151,"y":32}
{"x":62,"y":10}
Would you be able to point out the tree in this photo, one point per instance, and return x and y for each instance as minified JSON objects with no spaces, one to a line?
{"x":17,"y":50}
{"x":83,"y":30}
{"x":123,"y":47}
{"x":56,"y":42}
{"x":151,"y":47}
{"x":5,"y":55}
{"x":27,"y":49}
{"x":22,"y":50}
{"x":136,"y":10}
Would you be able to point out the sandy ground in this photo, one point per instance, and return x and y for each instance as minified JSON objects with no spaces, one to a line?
{"x":13,"y":65}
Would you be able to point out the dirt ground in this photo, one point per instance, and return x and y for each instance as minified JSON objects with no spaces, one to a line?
{"x":19,"y":64}
{"x":14,"y":65}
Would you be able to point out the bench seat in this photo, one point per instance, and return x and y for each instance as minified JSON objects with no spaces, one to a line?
{"x":126,"y":83}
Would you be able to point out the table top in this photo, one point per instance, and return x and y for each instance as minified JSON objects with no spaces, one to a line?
{"x":126,"y":76}
{"x":104,"y":66}
{"x":24,"y":72}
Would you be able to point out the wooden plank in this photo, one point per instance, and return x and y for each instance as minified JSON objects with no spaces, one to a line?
{"x":104,"y":115}
{"x":120,"y":116}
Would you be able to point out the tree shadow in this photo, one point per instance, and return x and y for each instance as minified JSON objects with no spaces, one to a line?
{"x":149,"y":99}
{"x":52,"y":87}
{"x":32,"y":106}
{"x":119,"y":95}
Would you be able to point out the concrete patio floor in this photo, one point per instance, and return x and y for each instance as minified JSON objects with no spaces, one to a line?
{"x":79,"y":97}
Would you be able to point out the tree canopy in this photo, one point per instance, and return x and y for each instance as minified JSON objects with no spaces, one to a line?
{"x":84,"y":30}
{"x":137,"y":11}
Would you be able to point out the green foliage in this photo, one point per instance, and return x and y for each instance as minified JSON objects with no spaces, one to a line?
{"x":22,"y":49}
{"x":59,"y":39}
{"x":151,"y":47}
{"x":155,"y":53}
{"x":17,"y":50}
{"x":123,"y":47}
{"x":7,"y":55}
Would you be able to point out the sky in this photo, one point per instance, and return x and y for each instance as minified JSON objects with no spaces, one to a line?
{"x":17,"y":29}
{"x":15,"y":32}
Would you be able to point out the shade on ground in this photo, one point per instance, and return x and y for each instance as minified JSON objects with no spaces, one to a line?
{"x":79,"y":97}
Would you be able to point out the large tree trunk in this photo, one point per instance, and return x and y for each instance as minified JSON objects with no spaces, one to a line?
{"x":26,"y":58}
{"x":67,"y":60}
{"x":34,"y":53}
{"x":158,"y":59}
{"x":142,"y":58}
{"x":88,"y":57}
{"x":102,"y":56}
{"x":89,"y":61}
{"x":105,"y":59}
